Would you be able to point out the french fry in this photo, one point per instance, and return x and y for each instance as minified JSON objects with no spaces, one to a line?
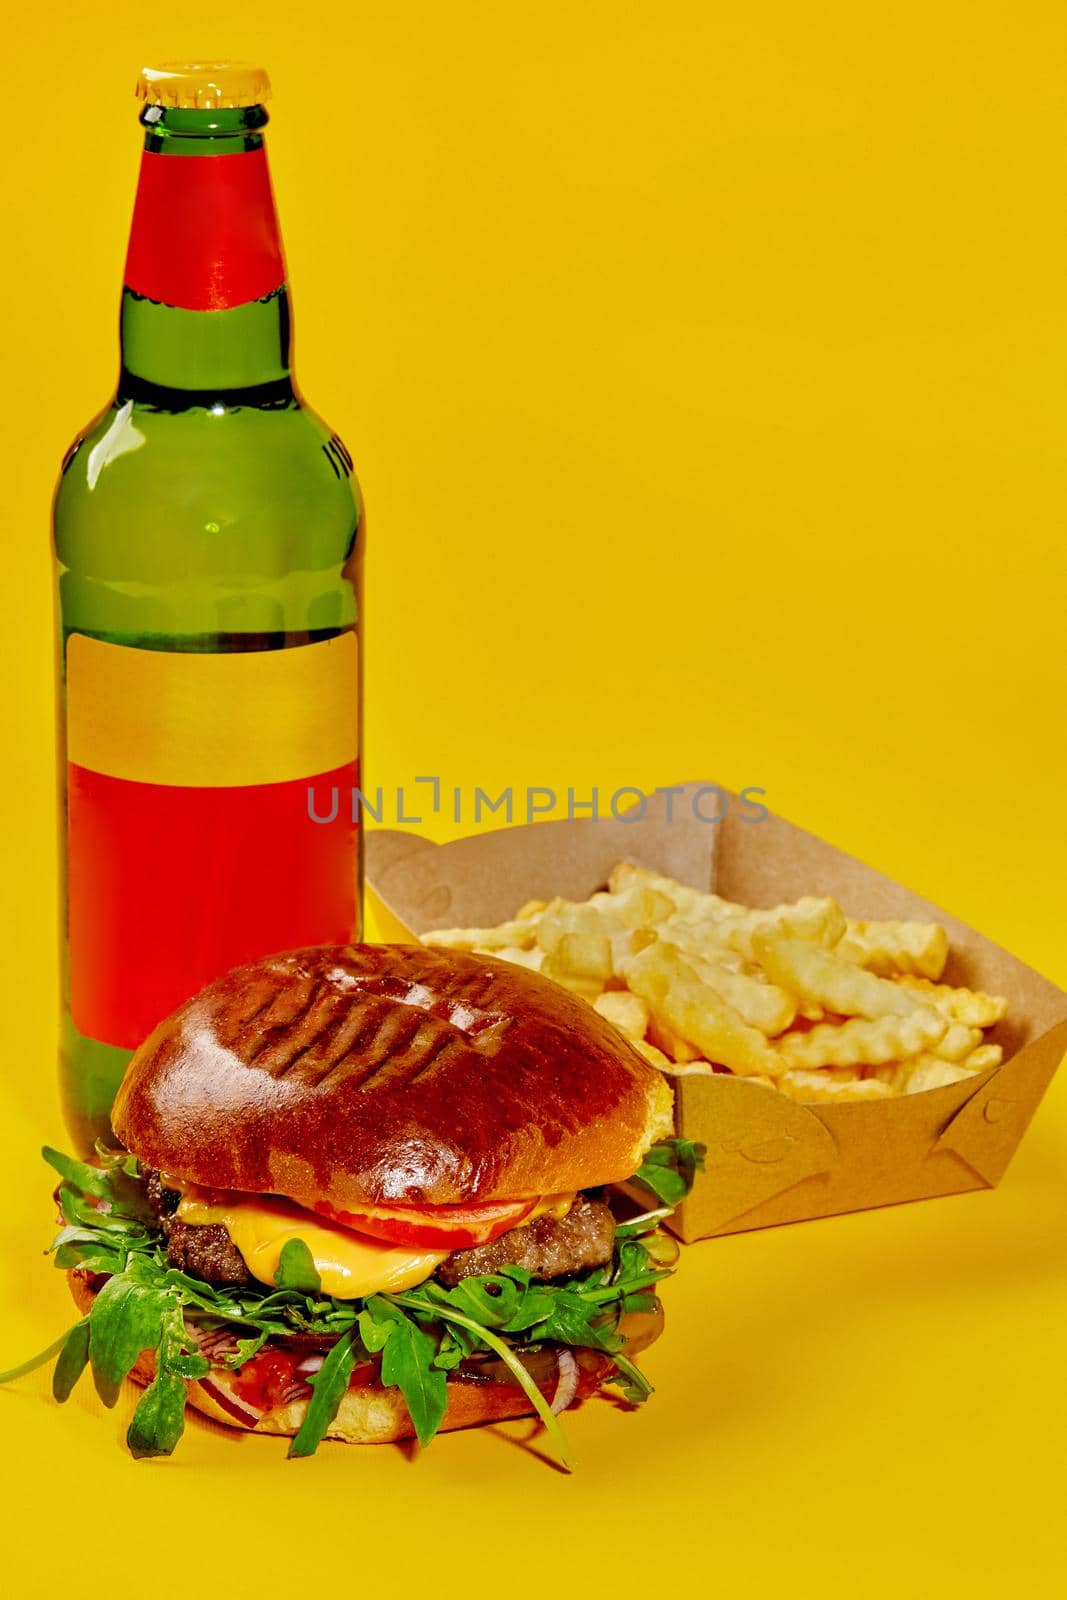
{"x":763,"y":1005}
{"x":653,"y":1055}
{"x":792,"y":995}
{"x":679,"y":999}
{"x":860,"y":1041}
{"x":616,"y":919}
{"x":577,"y":982}
{"x":919,"y":948}
{"x":957,"y":1042}
{"x":970,"y":1006}
{"x":519,"y":934}
{"x":814,"y":1087}
{"x":734,"y":928}
{"x":690,"y":1069}
{"x":986,"y":1055}
{"x":929,"y":1072}
{"x":531,"y":959}
{"x":893,"y":1074}
{"x":670,"y":1043}
{"x":821,"y":920}
{"x":627,"y":876}
{"x":625,"y":1011}
{"x":584,"y":955}
{"x":823,"y":977}
{"x":701,"y":939}
{"x":561,"y":917}
{"x":627,"y":943}
{"x":640,"y":907}
{"x":673,"y":1069}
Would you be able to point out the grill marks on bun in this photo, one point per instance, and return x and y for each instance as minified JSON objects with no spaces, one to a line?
{"x":332,"y":1022}
{"x":390,"y":1075}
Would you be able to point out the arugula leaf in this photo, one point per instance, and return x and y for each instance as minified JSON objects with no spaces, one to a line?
{"x":73,"y":1360}
{"x":670,"y":1168}
{"x":408,"y":1364}
{"x":631,"y":1380}
{"x":80,"y":1211}
{"x":637,"y":1227}
{"x":117,"y":1186}
{"x":188,"y":1363}
{"x":103,"y":1262}
{"x":328,"y":1387}
{"x":125,"y":1319}
{"x":374,"y":1328}
{"x":506,"y":1354}
{"x":572,"y":1323}
{"x":79,"y":1174}
{"x":247,"y":1348}
{"x":36,"y":1361}
{"x":159,"y":1419}
{"x":296,"y":1268}
{"x":111,"y":1157}
{"x":452,"y":1350}
{"x":505,"y":1299}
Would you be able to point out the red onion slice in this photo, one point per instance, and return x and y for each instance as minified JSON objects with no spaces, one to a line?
{"x":248,"y":1415}
{"x":310,"y":1364}
{"x":567,"y":1384}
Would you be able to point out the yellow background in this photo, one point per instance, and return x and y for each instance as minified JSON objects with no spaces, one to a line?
{"x":703,"y":368}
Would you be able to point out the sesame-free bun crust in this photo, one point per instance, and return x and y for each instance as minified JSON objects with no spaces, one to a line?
{"x":390,"y":1075}
{"x":368,"y":1413}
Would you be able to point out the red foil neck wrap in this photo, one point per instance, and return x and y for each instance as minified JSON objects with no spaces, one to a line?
{"x":205,"y":233}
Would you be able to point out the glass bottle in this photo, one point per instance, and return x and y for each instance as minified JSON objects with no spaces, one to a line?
{"x":208,"y":542}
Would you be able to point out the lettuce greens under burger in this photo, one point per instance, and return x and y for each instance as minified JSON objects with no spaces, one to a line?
{"x":414,"y":1339}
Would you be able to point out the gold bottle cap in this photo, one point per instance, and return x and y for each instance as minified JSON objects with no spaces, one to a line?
{"x":204,"y":85}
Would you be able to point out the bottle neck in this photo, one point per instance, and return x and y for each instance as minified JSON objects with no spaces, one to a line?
{"x":205,"y":312}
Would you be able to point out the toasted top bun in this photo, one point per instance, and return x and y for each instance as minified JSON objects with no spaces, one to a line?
{"x":390,"y":1075}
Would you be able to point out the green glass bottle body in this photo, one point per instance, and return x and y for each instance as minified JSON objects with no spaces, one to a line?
{"x":208,"y":537}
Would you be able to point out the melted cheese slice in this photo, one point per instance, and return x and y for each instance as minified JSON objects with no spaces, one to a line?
{"x":349,"y":1265}
{"x":551,"y":1205}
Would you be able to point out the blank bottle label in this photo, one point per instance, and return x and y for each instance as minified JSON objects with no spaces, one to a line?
{"x":191,"y":845}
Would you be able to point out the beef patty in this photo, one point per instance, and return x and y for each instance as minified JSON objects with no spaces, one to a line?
{"x":548,"y":1247}
{"x":203,"y":1250}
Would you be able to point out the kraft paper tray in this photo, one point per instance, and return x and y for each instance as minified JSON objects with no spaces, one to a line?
{"x":770,"y":1159}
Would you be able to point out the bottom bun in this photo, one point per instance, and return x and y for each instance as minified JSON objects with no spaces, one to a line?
{"x":368,"y":1413}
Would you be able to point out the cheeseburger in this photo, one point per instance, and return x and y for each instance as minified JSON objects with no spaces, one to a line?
{"x":368,"y":1193}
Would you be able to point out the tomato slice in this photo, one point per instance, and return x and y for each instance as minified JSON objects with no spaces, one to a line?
{"x":264,"y":1381}
{"x":432,"y":1227}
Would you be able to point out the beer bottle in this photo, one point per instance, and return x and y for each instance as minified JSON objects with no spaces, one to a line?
{"x":208,"y":543}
